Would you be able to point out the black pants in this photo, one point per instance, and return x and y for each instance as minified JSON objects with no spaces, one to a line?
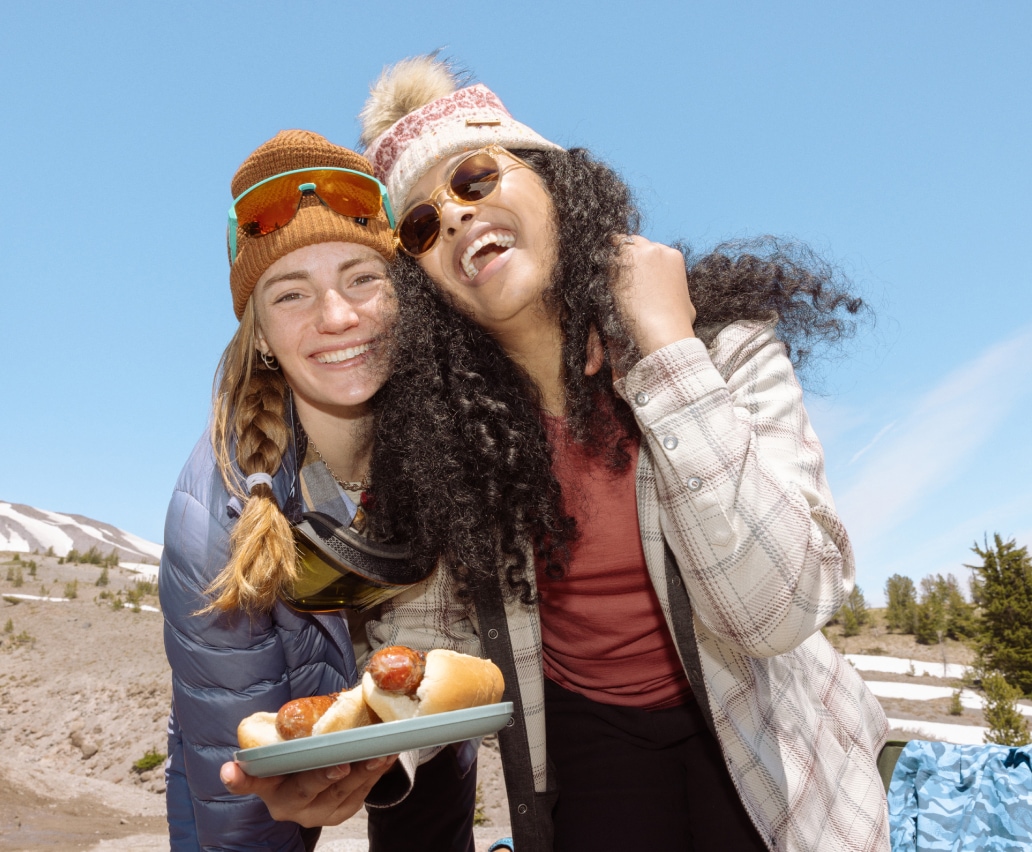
{"x":638,"y":779}
{"x":436,"y":815}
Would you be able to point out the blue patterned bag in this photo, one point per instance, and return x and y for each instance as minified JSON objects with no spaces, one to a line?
{"x":945,"y":797}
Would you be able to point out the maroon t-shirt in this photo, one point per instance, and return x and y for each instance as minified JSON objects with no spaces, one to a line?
{"x":602,"y":627}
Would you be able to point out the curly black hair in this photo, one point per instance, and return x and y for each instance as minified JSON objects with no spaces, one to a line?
{"x":462,"y":465}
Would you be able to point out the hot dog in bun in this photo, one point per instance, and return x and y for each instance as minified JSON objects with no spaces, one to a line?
{"x":448,"y":681}
{"x":398,"y":683}
{"x":303,"y":717}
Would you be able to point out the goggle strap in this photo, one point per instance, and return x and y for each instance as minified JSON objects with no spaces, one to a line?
{"x":350,"y":552}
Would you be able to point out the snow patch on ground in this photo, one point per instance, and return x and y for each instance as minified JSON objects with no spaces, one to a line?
{"x":145,"y":568}
{"x":38,"y":598}
{"x":969,"y":699}
{"x":897,"y":665}
{"x":143,"y":607}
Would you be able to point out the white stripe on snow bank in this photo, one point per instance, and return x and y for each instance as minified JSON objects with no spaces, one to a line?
{"x":145,"y":568}
{"x":922,"y":692}
{"x":37,"y":598}
{"x":46,"y":533}
{"x":143,"y":607}
{"x":897,"y":665}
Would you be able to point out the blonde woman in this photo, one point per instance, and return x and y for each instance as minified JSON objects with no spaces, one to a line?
{"x":292,"y":431}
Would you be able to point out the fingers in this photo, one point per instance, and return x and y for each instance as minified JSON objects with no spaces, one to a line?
{"x":316,"y":797}
{"x":344,"y":798}
{"x":652,"y":293}
{"x":240,"y":783}
{"x":338,"y":801}
{"x":595,"y":355}
{"x":234,"y":778}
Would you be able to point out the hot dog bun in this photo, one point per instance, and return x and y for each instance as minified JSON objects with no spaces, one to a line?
{"x":452,"y":681}
{"x":258,"y":729}
{"x":347,"y":712}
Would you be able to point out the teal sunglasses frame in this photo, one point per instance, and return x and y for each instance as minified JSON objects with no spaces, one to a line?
{"x":231,"y":228}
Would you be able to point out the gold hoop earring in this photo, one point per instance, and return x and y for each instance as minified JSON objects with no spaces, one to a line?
{"x":269,"y":361}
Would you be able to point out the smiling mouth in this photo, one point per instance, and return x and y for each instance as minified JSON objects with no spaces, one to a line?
{"x":483,"y":250}
{"x":337,"y":355}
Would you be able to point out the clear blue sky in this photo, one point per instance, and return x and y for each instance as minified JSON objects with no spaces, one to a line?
{"x":894,"y":137}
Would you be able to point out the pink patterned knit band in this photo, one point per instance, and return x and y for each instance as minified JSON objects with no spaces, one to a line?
{"x":467,"y":119}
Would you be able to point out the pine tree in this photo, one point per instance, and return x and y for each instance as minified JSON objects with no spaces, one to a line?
{"x":1006,"y":725}
{"x":931,"y":613}
{"x":901,"y":612}
{"x":853,"y":614}
{"x":1005,"y":637}
{"x":847,"y":619}
{"x":943,"y":612}
{"x":961,"y":618}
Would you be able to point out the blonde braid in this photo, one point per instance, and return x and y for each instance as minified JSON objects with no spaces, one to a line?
{"x":250,"y":403}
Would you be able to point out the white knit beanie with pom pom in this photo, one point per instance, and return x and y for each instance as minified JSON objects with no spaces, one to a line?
{"x":417,"y":115}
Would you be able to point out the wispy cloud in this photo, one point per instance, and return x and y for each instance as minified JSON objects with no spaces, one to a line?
{"x":929,"y":445}
{"x":881,"y":433}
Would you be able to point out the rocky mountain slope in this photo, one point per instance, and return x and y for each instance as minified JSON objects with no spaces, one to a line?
{"x":24,"y":529}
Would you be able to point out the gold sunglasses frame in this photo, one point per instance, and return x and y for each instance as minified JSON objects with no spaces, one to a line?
{"x":446,"y":187}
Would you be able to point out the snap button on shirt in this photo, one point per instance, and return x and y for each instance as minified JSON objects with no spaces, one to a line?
{"x":641,"y":398}
{"x":693,"y":483}
{"x":670,"y":442}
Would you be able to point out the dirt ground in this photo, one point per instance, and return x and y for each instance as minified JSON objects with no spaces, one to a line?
{"x":84,"y":695}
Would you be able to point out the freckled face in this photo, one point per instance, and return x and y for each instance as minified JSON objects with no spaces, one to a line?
{"x":324,"y":311}
{"x":494,"y":257}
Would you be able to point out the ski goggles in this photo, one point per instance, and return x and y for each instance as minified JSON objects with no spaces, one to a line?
{"x":473,"y":179}
{"x":272,"y":203}
{"x":340,"y":569}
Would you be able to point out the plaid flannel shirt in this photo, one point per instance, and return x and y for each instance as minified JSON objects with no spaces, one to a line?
{"x":749,"y":560}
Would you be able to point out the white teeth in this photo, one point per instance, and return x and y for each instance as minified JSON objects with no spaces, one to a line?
{"x":339,"y":355}
{"x":498,"y":238}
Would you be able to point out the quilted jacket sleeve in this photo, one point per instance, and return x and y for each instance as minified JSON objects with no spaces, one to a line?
{"x":221,"y":669}
{"x":744,"y":503}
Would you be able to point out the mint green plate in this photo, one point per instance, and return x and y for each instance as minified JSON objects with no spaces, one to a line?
{"x":371,"y":741}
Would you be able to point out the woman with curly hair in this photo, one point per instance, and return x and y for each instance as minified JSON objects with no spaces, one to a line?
{"x":630,"y":499}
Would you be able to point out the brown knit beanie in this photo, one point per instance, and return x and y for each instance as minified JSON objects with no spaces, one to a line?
{"x":314,"y":222}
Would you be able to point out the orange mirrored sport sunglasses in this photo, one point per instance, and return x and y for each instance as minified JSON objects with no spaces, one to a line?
{"x":272,"y":203}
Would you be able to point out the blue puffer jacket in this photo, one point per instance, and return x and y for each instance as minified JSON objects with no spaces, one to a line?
{"x":226,"y":667}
